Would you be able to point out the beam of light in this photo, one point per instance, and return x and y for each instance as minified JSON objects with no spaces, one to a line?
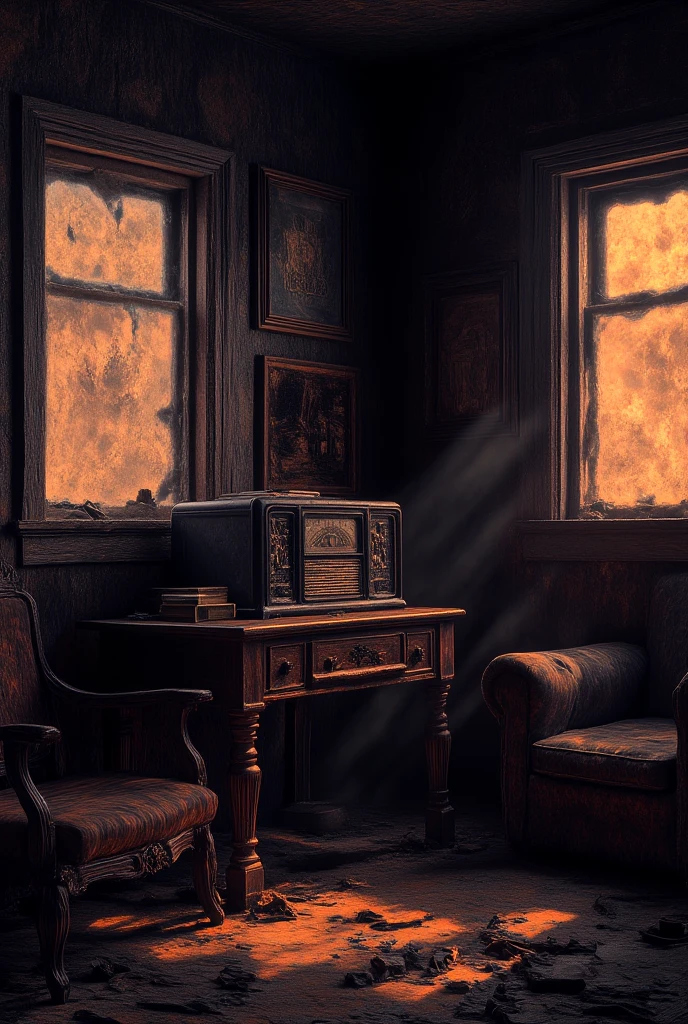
{"x":457,"y":518}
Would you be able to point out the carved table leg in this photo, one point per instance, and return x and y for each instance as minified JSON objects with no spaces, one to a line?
{"x":439,"y":815}
{"x":245,"y":871}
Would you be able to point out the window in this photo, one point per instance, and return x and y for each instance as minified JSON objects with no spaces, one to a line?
{"x":633,"y":316}
{"x":603,"y":337}
{"x":126,"y":271}
{"x":116,"y":310}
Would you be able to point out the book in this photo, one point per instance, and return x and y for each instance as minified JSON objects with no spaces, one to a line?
{"x":198,"y":613}
{"x":192,"y":596}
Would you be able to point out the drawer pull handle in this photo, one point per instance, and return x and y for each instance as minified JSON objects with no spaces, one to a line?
{"x":285,"y":668}
{"x":330,"y":664}
{"x":361,"y":655}
{"x":417,"y":655}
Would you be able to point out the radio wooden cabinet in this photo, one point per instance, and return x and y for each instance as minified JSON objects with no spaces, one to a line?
{"x":248,"y":663}
{"x":290,"y":553}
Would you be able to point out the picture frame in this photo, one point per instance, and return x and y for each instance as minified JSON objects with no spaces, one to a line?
{"x":303,"y":257}
{"x":470,"y":351}
{"x":308,"y":427}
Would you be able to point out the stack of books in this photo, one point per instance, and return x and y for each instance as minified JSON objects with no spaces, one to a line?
{"x":195,"y":604}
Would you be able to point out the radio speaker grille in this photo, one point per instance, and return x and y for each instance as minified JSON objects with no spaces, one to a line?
{"x":332,"y":578}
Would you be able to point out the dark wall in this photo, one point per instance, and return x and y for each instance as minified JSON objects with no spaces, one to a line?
{"x":455,"y":131}
{"x":141,"y":65}
{"x":269,"y":105}
{"x":432,"y":154}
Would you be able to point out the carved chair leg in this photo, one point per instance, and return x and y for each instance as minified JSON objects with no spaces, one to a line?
{"x":53,"y":928}
{"x":205,"y":874}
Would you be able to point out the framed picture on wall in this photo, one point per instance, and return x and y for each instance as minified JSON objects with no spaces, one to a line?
{"x":308,"y":427}
{"x":470,"y":351}
{"x":303,"y":263}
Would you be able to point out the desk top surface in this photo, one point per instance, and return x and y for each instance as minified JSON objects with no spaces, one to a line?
{"x":239,"y":629}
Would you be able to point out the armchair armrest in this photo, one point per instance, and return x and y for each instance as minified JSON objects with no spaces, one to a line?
{"x":24,"y":734}
{"x":560,"y":690}
{"x":544,"y":693}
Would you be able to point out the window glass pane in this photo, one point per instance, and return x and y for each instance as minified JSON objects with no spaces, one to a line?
{"x":96,"y":232}
{"x":637,"y":453}
{"x":646,"y":246}
{"x":111,"y":429}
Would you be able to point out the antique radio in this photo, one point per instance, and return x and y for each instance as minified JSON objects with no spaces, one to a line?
{"x":290,"y":552}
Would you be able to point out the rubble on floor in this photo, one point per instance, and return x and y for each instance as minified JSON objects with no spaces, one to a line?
{"x":413,"y":935}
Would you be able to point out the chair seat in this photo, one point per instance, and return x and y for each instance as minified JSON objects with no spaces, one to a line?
{"x":104,"y":815}
{"x":636,"y":752}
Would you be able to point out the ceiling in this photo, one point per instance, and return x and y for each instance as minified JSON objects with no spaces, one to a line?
{"x":391,"y":29}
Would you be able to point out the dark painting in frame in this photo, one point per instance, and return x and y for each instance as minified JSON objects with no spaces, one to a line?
{"x":303,"y":263}
{"x":309,"y":427}
{"x":470,"y":351}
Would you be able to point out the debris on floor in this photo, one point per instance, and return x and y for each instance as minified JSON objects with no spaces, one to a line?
{"x":404,"y":941}
{"x":272,"y":906}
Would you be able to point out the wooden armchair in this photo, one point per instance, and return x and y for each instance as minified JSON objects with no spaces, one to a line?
{"x":63,"y":833}
{"x":595,"y":742}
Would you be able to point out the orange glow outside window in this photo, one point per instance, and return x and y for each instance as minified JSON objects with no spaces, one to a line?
{"x":635,"y":453}
{"x":113,"y":331}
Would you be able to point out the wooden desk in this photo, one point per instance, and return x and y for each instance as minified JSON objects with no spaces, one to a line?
{"x":248,"y":663}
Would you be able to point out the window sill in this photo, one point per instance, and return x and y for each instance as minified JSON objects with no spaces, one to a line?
{"x":60,"y":542}
{"x":610,"y":540}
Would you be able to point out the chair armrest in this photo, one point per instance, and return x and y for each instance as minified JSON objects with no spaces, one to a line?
{"x":541,"y":694}
{"x":571,"y":689}
{"x":23,"y":734}
{"x":161,"y":752}
{"x":16,"y":740}
{"x":680,"y":705}
{"x":134,"y":698}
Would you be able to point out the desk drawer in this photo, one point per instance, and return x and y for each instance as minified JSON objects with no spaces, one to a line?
{"x":357,"y":659}
{"x":286,"y":667}
{"x":420,"y":651}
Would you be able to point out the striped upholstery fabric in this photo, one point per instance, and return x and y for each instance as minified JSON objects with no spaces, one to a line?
{"x":103,"y":815}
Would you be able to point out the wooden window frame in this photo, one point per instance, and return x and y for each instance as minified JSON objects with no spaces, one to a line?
{"x":553,"y":184}
{"x":46,"y":126}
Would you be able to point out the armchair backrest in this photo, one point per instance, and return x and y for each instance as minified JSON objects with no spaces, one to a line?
{"x":24,"y":696}
{"x":667,"y":641}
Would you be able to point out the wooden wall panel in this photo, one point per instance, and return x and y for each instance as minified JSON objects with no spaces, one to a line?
{"x":453,"y":133}
{"x":268,"y":105}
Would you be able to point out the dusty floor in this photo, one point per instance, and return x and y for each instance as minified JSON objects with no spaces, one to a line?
{"x":472,"y":897}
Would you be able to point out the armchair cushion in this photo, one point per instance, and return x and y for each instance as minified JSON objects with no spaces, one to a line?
{"x":104,"y":815}
{"x":637,"y":752}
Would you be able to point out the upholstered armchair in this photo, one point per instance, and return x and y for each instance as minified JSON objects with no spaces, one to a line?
{"x":595,"y":742}
{"x":59,"y":835}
